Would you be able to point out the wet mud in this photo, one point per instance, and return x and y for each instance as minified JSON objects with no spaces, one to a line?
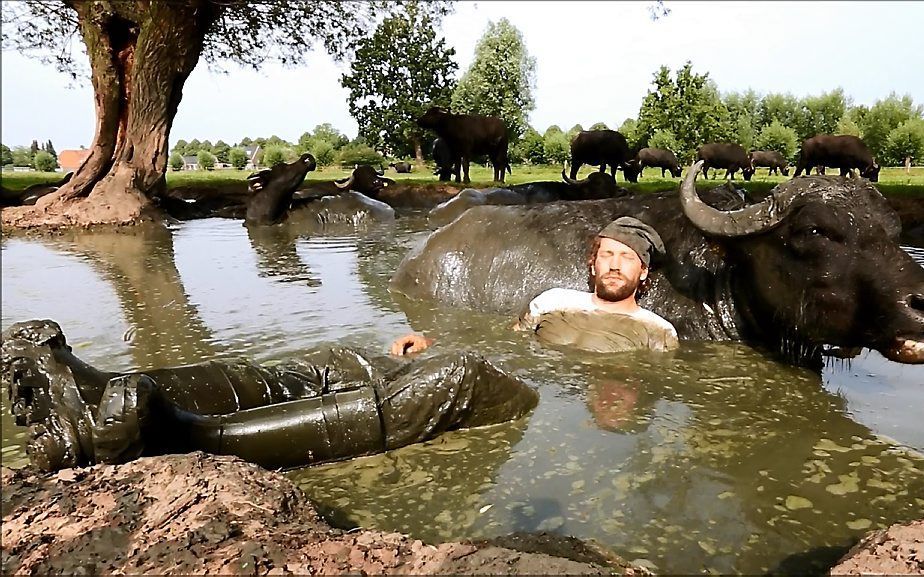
{"x":202,"y":514}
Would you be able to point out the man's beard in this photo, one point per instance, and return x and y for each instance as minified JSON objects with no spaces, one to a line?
{"x":615,"y":293}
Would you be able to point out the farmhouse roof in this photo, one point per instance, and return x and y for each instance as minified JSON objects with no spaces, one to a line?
{"x":72,"y":159}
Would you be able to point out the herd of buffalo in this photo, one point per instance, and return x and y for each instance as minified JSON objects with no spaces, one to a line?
{"x":815,"y":265}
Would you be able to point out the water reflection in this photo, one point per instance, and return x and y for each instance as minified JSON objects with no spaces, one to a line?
{"x":713,"y":458}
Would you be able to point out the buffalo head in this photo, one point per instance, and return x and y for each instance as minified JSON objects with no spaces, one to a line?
{"x":747,"y":172}
{"x":366,"y":180}
{"x":432,"y":117}
{"x":872,"y":173}
{"x":817,"y":262}
{"x":597,"y":185}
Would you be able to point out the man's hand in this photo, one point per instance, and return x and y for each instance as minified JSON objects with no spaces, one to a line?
{"x":412,"y":343}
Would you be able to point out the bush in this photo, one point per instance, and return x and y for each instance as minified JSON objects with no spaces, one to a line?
{"x":663,"y":139}
{"x":357,"y":153}
{"x":273,"y":155}
{"x":176,"y":161}
{"x":556,"y":147}
{"x":206,"y":160}
{"x":323,"y":153}
{"x":237,"y":157}
{"x":780,"y":138}
{"x":905,"y":141}
{"x":531,"y":147}
{"x":45,"y":162}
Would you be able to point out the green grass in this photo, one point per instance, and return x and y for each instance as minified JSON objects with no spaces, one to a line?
{"x":893,"y":181}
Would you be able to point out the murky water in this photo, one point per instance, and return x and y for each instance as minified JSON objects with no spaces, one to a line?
{"x":709,"y":459}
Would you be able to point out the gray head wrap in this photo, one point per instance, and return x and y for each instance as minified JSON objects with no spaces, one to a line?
{"x":637,"y":235}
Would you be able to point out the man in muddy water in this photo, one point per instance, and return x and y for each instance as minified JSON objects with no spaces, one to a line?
{"x":619,"y":263}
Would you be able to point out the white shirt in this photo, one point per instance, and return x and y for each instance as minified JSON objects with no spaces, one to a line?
{"x":559,"y":299}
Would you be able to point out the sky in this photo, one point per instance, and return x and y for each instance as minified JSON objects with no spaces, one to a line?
{"x":595,"y":62}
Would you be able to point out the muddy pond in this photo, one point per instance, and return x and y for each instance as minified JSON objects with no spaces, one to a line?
{"x":713,"y":458}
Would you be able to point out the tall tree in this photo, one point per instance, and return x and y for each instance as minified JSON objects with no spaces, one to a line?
{"x":6,"y":155}
{"x":688,"y":106}
{"x":500,"y":80}
{"x":821,"y":114}
{"x":784,"y":108}
{"x":885,"y":116}
{"x":141,"y":52}
{"x":399,"y":71}
{"x":220,"y":149}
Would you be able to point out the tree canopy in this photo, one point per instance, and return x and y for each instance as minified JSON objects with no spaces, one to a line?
{"x":396,"y":74}
{"x":500,"y":80}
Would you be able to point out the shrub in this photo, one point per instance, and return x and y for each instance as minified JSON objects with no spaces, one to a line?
{"x":273,"y":155}
{"x":206,"y":160}
{"x":237,"y":157}
{"x":556,"y":147}
{"x":357,"y":153}
{"x":778,"y":137}
{"x":323,"y":153}
{"x":176,"y":161}
{"x":44,"y":161}
{"x":905,"y":141}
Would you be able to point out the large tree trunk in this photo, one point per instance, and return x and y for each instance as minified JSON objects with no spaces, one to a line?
{"x":141,"y":53}
{"x":418,"y":151}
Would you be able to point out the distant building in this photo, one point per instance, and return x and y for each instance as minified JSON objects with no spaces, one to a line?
{"x":70,"y":160}
{"x":190,"y":162}
{"x":251,"y":151}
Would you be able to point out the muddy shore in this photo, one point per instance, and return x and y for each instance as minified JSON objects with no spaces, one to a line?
{"x":202,"y":514}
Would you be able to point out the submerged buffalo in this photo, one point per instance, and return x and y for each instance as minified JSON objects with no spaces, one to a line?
{"x":845,"y":152}
{"x":330,"y":404}
{"x":366,"y":180}
{"x":597,"y":185}
{"x":792,"y":273}
{"x":658,"y":158}
{"x":770,"y":159}
{"x":728,"y":155}
{"x":470,"y":135}
{"x":602,"y":148}
{"x":273,"y":188}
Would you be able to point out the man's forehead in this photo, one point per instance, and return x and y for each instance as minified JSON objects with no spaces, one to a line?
{"x":613,"y":245}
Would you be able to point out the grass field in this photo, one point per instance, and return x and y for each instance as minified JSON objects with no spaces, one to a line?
{"x":893,"y":181}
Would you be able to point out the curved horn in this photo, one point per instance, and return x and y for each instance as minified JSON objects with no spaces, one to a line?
{"x":569,"y":180}
{"x":749,"y":220}
{"x":345,"y":185}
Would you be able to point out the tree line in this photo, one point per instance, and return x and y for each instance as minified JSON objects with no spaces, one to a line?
{"x":43,"y":158}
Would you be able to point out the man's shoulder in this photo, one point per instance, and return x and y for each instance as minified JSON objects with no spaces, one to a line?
{"x":657,"y":319}
{"x":562,"y":296}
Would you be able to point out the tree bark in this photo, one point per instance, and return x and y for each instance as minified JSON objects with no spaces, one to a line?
{"x":418,"y":151}
{"x":908,"y":164}
{"x":141,"y":54}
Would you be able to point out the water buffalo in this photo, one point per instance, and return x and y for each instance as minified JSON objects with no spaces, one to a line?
{"x":597,"y":185}
{"x":469,"y":135}
{"x":845,"y":152}
{"x":366,"y":180}
{"x":31,"y":193}
{"x":770,"y":159}
{"x":272,"y":190}
{"x":401,"y":167}
{"x":792,"y":273}
{"x":445,"y":164}
{"x":728,"y":155}
{"x":658,"y":158}
{"x":602,"y":148}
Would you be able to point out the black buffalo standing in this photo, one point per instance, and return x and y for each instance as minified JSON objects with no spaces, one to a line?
{"x":602,"y":148}
{"x":469,"y":135}
{"x":658,"y":158}
{"x":791,"y":273}
{"x":770,"y":159}
{"x":845,"y":152}
{"x":728,"y":155}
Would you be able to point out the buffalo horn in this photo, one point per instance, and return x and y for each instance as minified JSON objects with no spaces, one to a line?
{"x":569,"y":180}
{"x":749,"y":220}
{"x":344,"y":185}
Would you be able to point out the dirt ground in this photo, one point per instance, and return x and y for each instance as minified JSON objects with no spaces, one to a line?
{"x":898,"y":550}
{"x":202,"y":514}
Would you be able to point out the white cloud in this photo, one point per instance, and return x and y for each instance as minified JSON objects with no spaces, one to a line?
{"x":595,"y":63}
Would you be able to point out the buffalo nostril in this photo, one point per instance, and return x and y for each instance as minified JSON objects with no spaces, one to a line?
{"x":916,"y":301}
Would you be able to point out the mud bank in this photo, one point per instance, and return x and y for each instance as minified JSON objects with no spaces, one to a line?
{"x":202,"y":514}
{"x":898,"y":550}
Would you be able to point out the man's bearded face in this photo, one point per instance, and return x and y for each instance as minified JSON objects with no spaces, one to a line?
{"x":618,"y":270}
